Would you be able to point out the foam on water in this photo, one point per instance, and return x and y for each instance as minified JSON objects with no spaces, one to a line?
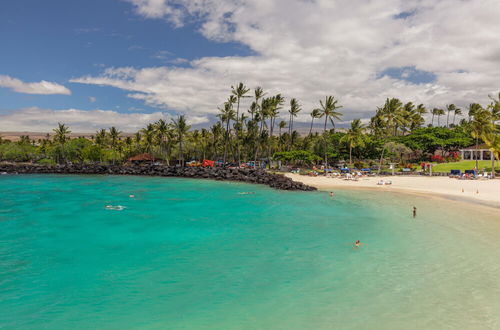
{"x":188,"y":254}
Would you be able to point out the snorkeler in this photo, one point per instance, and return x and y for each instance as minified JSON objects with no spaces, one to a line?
{"x":414,"y":212}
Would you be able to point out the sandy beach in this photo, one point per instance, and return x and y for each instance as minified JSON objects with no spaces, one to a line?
{"x":486,"y":192}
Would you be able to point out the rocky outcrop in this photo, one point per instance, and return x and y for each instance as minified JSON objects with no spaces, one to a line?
{"x":258,"y":176}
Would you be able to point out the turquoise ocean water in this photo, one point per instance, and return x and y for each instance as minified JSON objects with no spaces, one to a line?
{"x":194,"y":254}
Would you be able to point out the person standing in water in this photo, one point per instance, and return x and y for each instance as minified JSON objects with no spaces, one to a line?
{"x":414,"y":212}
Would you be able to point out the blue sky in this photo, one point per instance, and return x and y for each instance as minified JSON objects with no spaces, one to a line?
{"x":56,"y":40}
{"x":97,"y":63}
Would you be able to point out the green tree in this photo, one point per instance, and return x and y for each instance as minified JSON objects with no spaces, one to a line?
{"x":225,"y":115}
{"x":354,"y":137}
{"x":480,"y":126}
{"x":164,"y":134}
{"x":114,"y":136}
{"x":391,"y":113}
{"x":316,"y":113}
{"x":456,"y":112}
{"x":449,"y":108}
{"x":328,"y":109}
{"x":294,"y":111}
{"x":61,"y":137}
{"x":239,"y":92}
{"x":181,"y":128}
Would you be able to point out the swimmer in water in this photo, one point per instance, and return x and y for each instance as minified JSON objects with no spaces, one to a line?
{"x":331,"y":193}
{"x":131,"y":196}
{"x":116,"y":208}
{"x":414,"y":212}
{"x":357,"y":243}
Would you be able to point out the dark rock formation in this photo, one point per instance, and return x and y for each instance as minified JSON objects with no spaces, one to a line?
{"x":258,"y":176}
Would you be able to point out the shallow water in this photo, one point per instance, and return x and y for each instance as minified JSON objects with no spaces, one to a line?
{"x":194,"y":254}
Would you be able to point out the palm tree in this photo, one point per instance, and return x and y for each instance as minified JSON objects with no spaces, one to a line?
{"x":240,"y":92}
{"x":439,"y":113}
{"x":100,"y":141}
{"x":114,"y":136}
{"x":281,"y":125}
{"x":60,"y":136}
{"x":294,"y":110}
{"x":255,"y":107}
{"x":480,"y":126}
{"x":436,"y":112}
{"x":449,"y":108}
{"x":181,"y":128}
{"x":272,"y":107}
{"x":456,"y":112}
{"x":328,"y":110}
{"x":316,"y":113}
{"x":137,"y":141}
{"x":391,"y":113}
{"x":473,"y":109}
{"x":253,"y":110}
{"x":225,"y":115}
{"x":148,"y":137}
{"x":216,"y":130}
{"x":378,"y":125}
{"x":163,"y":131}
{"x":416,"y":117}
{"x":354,"y":137}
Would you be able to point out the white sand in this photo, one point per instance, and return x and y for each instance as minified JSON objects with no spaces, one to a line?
{"x":484,"y":191}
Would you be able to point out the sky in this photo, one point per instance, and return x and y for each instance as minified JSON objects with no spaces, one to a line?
{"x":94,"y":64}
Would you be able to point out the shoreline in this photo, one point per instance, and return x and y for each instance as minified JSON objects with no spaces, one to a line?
{"x":255,"y":176}
{"x":430,"y":187}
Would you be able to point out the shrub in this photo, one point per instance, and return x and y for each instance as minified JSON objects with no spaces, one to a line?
{"x":437,"y":159}
{"x":46,"y":161}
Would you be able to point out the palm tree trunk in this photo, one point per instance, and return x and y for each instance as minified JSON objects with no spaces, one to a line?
{"x":477,"y":146}
{"x":181,"y":152}
{"x":226,"y":142}
{"x":350,"y":155}
{"x":447,"y":118}
{"x":432,"y":121}
{"x":324,"y":139}
{"x":381,"y":159}
{"x":454,"y":115}
{"x":310,"y":130}
{"x":238,"y":128}
{"x":492,"y":165}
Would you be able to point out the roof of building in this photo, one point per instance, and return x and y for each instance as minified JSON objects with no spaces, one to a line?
{"x":142,"y":158}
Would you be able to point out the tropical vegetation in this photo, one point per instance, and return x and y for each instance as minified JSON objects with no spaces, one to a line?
{"x":269,"y":131}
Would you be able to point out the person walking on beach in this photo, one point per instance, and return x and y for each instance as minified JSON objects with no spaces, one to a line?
{"x":414,"y":212}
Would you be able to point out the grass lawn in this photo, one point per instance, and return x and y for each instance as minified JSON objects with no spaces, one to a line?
{"x":465,"y":165}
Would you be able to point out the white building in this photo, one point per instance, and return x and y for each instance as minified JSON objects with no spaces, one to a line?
{"x":479,"y":153}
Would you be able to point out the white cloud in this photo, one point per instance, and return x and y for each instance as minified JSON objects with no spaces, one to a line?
{"x":309,"y":49}
{"x":82,"y":121}
{"x":158,"y":9}
{"x":42,"y":87}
